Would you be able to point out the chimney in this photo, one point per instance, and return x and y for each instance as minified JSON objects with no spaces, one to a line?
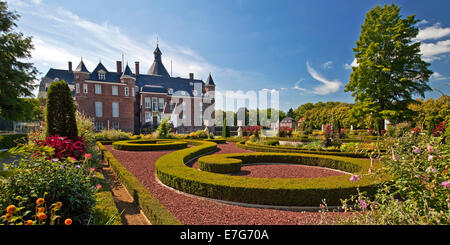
{"x":70,"y":66}
{"x":191,"y":76}
{"x":119,"y":67}
{"x":136,"y":68}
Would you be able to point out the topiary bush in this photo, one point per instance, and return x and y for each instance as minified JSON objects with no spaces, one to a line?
{"x":60,"y":111}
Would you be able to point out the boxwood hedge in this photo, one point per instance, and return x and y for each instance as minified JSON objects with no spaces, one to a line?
{"x":172,"y":171}
{"x":149,"y":145}
{"x":287,"y":149}
{"x":8,"y":141}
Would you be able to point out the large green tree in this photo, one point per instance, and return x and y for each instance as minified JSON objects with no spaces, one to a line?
{"x":390,"y":68}
{"x":16,"y":76}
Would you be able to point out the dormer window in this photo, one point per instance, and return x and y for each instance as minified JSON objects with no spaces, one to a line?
{"x":101,"y":75}
{"x":170,"y":90}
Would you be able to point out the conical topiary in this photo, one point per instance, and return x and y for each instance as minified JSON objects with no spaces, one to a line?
{"x":60,"y":111}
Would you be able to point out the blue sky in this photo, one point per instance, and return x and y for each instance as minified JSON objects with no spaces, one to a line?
{"x":303,"y":49}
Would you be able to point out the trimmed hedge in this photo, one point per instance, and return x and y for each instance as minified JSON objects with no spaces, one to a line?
{"x":172,"y":171}
{"x":217,"y":141}
{"x":219,"y":164}
{"x":150,"y":205}
{"x":149,"y":145}
{"x":267,"y":148}
{"x":8,"y":141}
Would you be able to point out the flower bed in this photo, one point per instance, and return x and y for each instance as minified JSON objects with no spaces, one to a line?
{"x":267,"y":148}
{"x":11,"y":140}
{"x":172,"y":171}
{"x":149,"y":145}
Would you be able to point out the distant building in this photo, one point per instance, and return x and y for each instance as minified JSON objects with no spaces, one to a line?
{"x":131,"y":101}
{"x":288,"y":122}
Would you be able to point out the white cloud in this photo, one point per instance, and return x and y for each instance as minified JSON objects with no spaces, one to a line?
{"x":433,"y":32}
{"x":327,"y":65}
{"x":432,"y":51}
{"x":438,"y":77}
{"x":68,"y":37}
{"x":353,"y":64}
{"x":297,"y":87}
{"x":327,"y":86}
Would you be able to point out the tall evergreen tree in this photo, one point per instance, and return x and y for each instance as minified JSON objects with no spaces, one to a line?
{"x":390,"y":67}
{"x":17,"y":77}
{"x":60,"y":112}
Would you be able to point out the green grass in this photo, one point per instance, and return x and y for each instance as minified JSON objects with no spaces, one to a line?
{"x":105,"y":211}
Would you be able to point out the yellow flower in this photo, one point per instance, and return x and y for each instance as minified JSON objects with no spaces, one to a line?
{"x":11,"y":209}
{"x":40,"y":201}
{"x":58,"y":204}
{"x":68,"y":222}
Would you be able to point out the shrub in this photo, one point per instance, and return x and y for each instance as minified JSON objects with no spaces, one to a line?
{"x":271,"y":142}
{"x":8,"y":141}
{"x":201,"y":134}
{"x":193,"y":135}
{"x":64,"y":147}
{"x":163,"y":129}
{"x":285,"y":132}
{"x":63,"y":180}
{"x":419,"y":191}
{"x":60,"y":111}
{"x":112,"y":135}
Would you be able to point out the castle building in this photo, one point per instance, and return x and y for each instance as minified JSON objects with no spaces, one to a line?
{"x":135,"y":102}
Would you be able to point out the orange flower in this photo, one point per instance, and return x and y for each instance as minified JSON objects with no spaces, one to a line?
{"x":40,"y":201}
{"x":42,"y":216}
{"x":58,"y":204}
{"x":8,"y":216}
{"x":29,"y":222}
{"x":41,"y":210}
{"x":68,"y":222}
{"x":11,"y":209}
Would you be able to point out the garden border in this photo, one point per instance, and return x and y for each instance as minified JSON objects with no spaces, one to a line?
{"x":149,"y":204}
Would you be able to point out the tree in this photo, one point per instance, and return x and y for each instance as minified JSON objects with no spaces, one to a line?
{"x":17,"y":77}
{"x":60,"y":111}
{"x":390,"y":68}
{"x":290,"y":113}
{"x":163,"y":129}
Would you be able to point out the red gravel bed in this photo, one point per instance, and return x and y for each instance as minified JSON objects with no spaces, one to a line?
{"x":285,"y":171}
{"x":196,"y":211}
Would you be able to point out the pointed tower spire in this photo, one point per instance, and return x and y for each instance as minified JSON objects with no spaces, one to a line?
{"x":81,"y":67}
{"x":210,"y":81}
{"x":157,"y":67}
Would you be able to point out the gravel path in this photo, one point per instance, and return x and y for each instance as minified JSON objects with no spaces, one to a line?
{"x":196,"y":211}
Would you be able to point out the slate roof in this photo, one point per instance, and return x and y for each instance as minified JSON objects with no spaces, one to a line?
{"x":288,"y":120}
{"x":159,"y":80}
{"x":81,"y":67}
{"x":210,"y":81}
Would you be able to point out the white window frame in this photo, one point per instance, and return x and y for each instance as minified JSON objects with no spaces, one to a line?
{"x":116,"y":125}
{"x":77,"y":88}
{"x":161,"y":103}
{"x":155,"y":103}
{"x":98,"y":109}
{"x":98,"y":126}
{"x":115,"y":90}
{"x":115,"y":112}
{"x":148,"y":116}
{"x":98,"y":89}
{"x":127,"y":91}
{"x":101,"y":76}
{"x":147,"y":102}
{"x":132,"y":92}
{"x":85,"y":88}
